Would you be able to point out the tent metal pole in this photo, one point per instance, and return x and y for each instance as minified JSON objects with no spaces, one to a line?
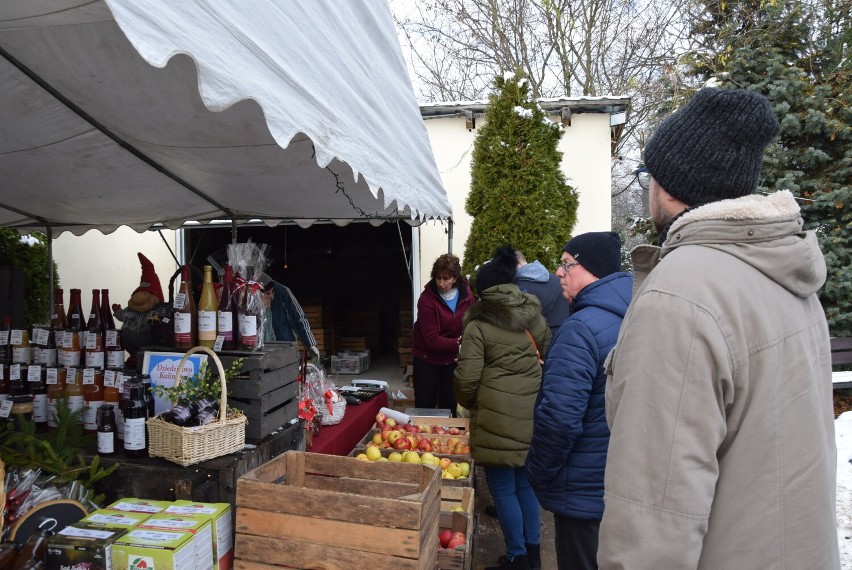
{"x":449,"y":235}
{"x":233,"y":230}
{"x":51,"y":298}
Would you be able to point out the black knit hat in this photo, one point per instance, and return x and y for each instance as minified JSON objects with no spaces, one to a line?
{"x":712,"y":148}
{"x":598,"y":252}
{"x":498,"y":270}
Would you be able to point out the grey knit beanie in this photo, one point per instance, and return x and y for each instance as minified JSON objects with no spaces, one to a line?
{"x":712,"y":148}
{"x":598,"y":252}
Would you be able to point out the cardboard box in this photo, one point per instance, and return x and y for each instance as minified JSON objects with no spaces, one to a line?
{"x":222,"y":528}
{"x":200,"y":527}
{"x":133,"y":505}
{"x":79,"y":546}
{"x":301,"y":508}
{"x":108,"y":518}
{"x":158,"y":549}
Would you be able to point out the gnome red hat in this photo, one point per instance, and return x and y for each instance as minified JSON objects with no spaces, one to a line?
{"x":150,"y":282}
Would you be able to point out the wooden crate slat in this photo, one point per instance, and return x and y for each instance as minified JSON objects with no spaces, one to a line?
{"x":378,"y":511}
{"x":315,"y":556}
{"x":310,"y":529}
{"x":321,"y":464}
{"x":360,"y":486}
{"x":260,"y":428}
{"x":255,"y":385}
{"x":257,"y":407}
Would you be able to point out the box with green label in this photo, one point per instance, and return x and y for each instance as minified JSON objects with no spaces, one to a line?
{"x":154,"y":550}
{"x":81,"y":546}
{"x":223,"y":528}
{"x":139,"y":505}
{"x":199,"y":526}
{"x":106,"y":518}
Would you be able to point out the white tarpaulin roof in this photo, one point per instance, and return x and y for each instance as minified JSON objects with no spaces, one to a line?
{"x":130,"y":112}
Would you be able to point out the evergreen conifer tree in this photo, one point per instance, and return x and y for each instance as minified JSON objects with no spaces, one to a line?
{"x":518,"y":193}
{"x":797,"y":55}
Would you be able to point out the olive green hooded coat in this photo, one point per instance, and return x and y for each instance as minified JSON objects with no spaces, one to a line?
{"x":498,"y":373}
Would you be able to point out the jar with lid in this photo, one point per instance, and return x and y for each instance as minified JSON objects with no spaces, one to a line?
{"x":22,"y":409}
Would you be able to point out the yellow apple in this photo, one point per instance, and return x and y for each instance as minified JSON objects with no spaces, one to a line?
{"x":444,"y":462}
{"x":377,"y":438}
{"x":427,"y":458}
{"x":362,"y":457}
{"x":465,"y":468}
{"x":382,"y":459}
{"x":373,"y":453}
{"x":393,"y":436}
{"x":390,"y":422}
{"x":457,"y":509}
{"x":446,"y":475}
{"x":411,"y":457}
{"x":396,"y":457}
{"x":455,"y":470}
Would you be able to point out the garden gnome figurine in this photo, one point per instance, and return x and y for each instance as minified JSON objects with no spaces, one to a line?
{"x":141,"y":311}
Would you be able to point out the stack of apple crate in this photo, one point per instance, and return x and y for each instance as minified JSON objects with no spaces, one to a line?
{"x":403,"y":341}
{"x":457,"y":512}
{"x":310,"y":510}
{"x":321,"y":326}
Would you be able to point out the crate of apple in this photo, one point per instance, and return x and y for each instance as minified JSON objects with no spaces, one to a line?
{"x":455,"y":470}
{"x":454,"y":550}
{"x":390,"y":435}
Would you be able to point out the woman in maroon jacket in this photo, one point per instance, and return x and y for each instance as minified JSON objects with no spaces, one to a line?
{"x":440,"y":314}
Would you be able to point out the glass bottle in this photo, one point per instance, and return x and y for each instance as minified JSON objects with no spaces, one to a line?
{"x":93,"y":396}
{"x":135,"y":415}
{"x":5,"y":347}
{"x":38,"y":390}
{"x":32,"y":553}
{"x":17,"y":380}
{"x":55,"y":381}
{"x":73,"y":343}
{"x":249,"y":319}
{"x":21,"y":349}
{"x":113,"y":341}
{"x":95,"y":355}
{"x":107,"y":430}
{"x":112,"y":395}
{"x":149,"y":394}
{"x":184,"y":313}
{"x":228,"y":314}
{"x":208,"y":306}
{"x":74,"y":391}
{"x":4,"y":382}
{"x":42,"y":343}
{"x":58,"y":325}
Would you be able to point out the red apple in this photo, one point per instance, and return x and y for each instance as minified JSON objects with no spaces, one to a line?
{"x":445,"y":537}
{"x":401,"y":443}
{"x":380,"y":418}
{"x":454,"y":431}
{"x":424,"y":445}
{"x":457,"y":539}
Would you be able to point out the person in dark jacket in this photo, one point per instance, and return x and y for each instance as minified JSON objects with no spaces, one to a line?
{"x":536,"y":279}
{"x":570,"y":435}
{"x":497,"y":379}
{"x":437,"y":332}
{"x":288,"y":319}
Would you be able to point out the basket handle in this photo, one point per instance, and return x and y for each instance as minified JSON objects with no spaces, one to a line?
{"x":223,"y":398}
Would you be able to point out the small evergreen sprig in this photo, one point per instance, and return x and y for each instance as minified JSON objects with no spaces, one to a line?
{"x":203,"y":385}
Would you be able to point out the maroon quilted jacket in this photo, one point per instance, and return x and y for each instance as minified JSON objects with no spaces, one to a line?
{"x":437,"y":330}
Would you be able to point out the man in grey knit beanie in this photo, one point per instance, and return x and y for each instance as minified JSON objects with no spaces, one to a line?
{"x":718,"y":396}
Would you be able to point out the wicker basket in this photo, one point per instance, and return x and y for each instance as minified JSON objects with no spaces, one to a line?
{"x":336,"y":416}
{"x":185,"y":445}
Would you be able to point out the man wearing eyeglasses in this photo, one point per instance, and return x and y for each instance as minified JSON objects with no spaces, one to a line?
{"x":565,"y":464}
{"x":719,"y":397}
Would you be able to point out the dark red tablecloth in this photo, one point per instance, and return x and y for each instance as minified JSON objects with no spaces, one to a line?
{"x":342,"y":438}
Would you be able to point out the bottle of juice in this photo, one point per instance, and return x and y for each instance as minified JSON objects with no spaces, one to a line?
{"x":186,"y":333}
{"x":95,"y":354}
{"x":74,"y":390}
{"x":93,"y":396}
{"x":113,"y":341}
{"x":55,"y":381}
{"x":21,"y":349}
{"x":208,"y":306}
{"x":38,"y":390}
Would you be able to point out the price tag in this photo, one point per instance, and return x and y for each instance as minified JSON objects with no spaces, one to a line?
{"x":71,"y":376}
{"x":4,"y":338}
{"x":91,"y":341}
{"x":109,"y":378}
{"x":6,"y":409}
{"x":17,"y":337}
{"x":41,"y":336}
{"x":88,"y":376}
{"x":34,"y":373}
{"x":2,"y":369}
{"x":52,"y":376}
{"x":180,"y":300}
{"x":15,"y":372}
{"x":67,"y":340}
{"x":220,"y":339}
{"x":112,"y":337}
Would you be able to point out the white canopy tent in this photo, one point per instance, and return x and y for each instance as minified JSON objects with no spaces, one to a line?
{"x":161,"y":112}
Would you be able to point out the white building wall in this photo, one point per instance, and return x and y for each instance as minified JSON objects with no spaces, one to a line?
{"x":98,"y":261}
{"x":585,"y":162}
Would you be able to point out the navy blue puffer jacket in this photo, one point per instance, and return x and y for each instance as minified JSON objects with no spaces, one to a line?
{"x":566,"y":460}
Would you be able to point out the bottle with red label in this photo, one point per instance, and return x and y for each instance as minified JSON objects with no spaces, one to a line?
{"x":95,"y":353}
{"x":185,"y":325}
{"x":228,"y":316}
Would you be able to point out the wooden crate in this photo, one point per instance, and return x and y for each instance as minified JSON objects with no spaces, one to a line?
{"x":465,"y":482}
{"x":461,"y":557}
{"x":462,"y":423}
{"x":309,"y":510}
{"x":266,"y":389}
{"x":354,"y":343}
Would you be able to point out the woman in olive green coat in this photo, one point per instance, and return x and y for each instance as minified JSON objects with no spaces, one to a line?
{"x":497,"y":379}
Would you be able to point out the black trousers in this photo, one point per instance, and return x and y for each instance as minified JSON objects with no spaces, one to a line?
{"x":433,"y":385}
{"x":576,"y":543}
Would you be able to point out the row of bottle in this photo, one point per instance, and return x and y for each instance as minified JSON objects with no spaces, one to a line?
{"x":70,"y":339}
{"x":225,"y":318}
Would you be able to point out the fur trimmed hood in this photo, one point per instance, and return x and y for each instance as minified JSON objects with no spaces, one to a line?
{"x":506,"y":307}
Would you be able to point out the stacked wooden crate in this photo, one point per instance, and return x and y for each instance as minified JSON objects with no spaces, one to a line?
{"x":319,"y":317}
{"x":405,"y":324}
{"x":362,"y":330}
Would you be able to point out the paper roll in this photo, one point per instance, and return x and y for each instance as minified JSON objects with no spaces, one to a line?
{"x":398,"y":417}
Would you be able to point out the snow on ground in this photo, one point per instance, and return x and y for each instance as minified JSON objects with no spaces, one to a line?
{"x":843,"y":436}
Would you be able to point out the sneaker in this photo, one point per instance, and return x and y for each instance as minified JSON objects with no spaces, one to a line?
{"x":506,"y":563}
{"x":534,"y":556}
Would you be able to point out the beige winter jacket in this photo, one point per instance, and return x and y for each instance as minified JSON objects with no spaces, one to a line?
{"x":719,"y":398}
